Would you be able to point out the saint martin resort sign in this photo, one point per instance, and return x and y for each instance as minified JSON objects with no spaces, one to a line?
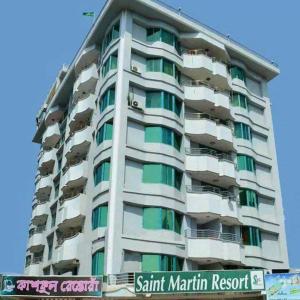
{"x":199,"y":282}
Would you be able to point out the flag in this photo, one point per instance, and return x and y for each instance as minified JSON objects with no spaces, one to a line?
{"x":88,"y":14}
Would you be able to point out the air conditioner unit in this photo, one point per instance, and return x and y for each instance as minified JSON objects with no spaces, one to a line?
{"x":136,"y":104}
{"x":135,"y":69}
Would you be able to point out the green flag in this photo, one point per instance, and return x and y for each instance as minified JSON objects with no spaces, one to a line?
{"x":88,"y":14}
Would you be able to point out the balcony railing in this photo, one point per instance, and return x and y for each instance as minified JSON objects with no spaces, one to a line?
{"x":118,"y":279}
{"x":38,"y":229}
{"x":70,"y":195}
{"x":36,"y":260}
{"x":69,"y":236}
{"x":204,"y":116}
{"x":199,"y":189}
{"x":212,"y":234}
{"x":201,"y":52}
{"x":207,"y":151}
{"x":72,"y":163}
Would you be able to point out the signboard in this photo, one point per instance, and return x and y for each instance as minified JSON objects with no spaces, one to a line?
{"x":283,"y":286}
{"x":199,"y":282}
{"x":47,"y":286}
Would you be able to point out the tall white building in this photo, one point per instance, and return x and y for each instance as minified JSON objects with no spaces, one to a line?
{"x":157,"y":152}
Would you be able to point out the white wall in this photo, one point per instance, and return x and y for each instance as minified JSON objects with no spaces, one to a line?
{"x":133,"y":175}
{"x":260,"y":144}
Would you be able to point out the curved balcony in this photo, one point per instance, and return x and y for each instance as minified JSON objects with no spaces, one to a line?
{"x":87,"y":57}
{"x":51,"y":136}
{"x":47,"y":161}
{"x":40,"y":213}
{"x":75,"y":176}
{"x":67,"y":252}
{"x":207,"y":203}
{"x":209,"y":131}
{"x":197,"y":64}
{"x":53,"y":115}
{"x":33,"y":267}
{"x":203,"y":97}
{"x":210,"y":246}
{"x":79,"y":142}
{"x":209,"y":166}
{"x":72,"y":212}
{"x":36,"y":239}
{"x":82,"y":111}
{"x":86,"y":82}
{"x":43,"y":187}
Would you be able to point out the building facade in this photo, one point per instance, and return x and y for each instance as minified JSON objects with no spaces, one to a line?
{"x":157,"y":152}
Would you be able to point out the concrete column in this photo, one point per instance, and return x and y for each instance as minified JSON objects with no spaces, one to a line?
{"x":113,"y":249}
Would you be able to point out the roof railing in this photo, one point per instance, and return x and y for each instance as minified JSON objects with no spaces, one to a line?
{"x":212,"y":234}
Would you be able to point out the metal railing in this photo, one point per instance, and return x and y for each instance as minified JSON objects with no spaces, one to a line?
{"x":70,"y":195}
{"x":212,"y":234}
{"x":73,"y":163}
{"x":124,"y":278}
{"x":204,"y":116}
{"x":181,"y":13}
{"x":201,"y":52}
{"x":207,"y":151}
{"x":199,"y":189}
{"x":38,"y":229}
{"x":36,"y":260}
{"x":68,"y":236}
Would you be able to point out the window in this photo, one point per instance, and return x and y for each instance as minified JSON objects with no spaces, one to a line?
{"x":157,"y":262}
{"x":104,"y":133}
{"x":163,"y":65}
{"x":237,"y":72}
{"x":159,"y":134}
{"x":164,"y":174}
{"x":98,"y":263}
{"x":162,"y":218}
{"x":110,"y":64}
{"x":242,"y":131}
{"x":251,"y":236}
{"x":162,"y":99}
{"x":107,"y":99}
{"x":162,"y":35}
{"x":101,"y":172}
{"x":240,"y":100}
{"x":53,"y":215}
{"x":99,"y":217}
{"x":50,"y":246}
{"x":113,"y":34}
{"x":248,"y":198}
{"x":245,"y":162}
{"x":56,"y":188}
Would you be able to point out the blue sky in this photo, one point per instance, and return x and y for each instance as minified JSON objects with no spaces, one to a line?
{"x":37,"y":37}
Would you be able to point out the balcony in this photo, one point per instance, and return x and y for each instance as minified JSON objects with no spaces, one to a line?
{"x":47,"y":161}
{"x":67,"y":251}
{"x":209,"y":246}
{"x":43,"y":187}
{"x":82,"y":111}
{"x":207,"y":203}
{"x":198,"y":65}
{"x":203,"y":97}
{"x":51,"y":136}
{"x":72,"y":212}
{"x":79,"y":142}
{"x":32,"y":268}
{"x":209,"y":166}
{"x":36,"y":239}
{"x":208,"y":131}
{"x":86,"y":82}
{"x":87,"y":57}
{"x":75,"y":175}
{"x":40,"y":213}
{"x":53,"y":115}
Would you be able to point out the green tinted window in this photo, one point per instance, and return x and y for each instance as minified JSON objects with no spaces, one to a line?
{"x":113,"y":34}
{"x":242,"y":131}
{"x":240,"y":100}
{"x":245,"y":162}
{"x":110,"y":64}
{"x":101,"y":172}
{"x":157,"y":262}
{"x":99,"y":217}
{"x":251,"y":236}
{"x":98,"y":263}
{"x":248,"y":198}
{"x":237,"y":72}
{"x":104,"y":133}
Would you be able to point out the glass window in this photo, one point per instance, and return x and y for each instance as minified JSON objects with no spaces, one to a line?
{"x":104,"y":133}
{"x":98,"y":263}
{"x":154,"y":65}
{"x":245,"y":162}
{"x":237,"y":72}
{"x":153,"y":34}
{"x":251,"y":236}
{"x":168,"y":67}
{"x":101,"y":172}
{"x":99,"y":216}
{"x":164,"y":174}
{"x":242,"y":131}
{"x":110,"y":64}
{"x":107,"y":99}
{"x":248,"y":198}
{"x":240,"y":100}
{"x":162,"y":99}
{"x":158,"y":262}
{"x":113,"y":34}
{"x":167,"y":37}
